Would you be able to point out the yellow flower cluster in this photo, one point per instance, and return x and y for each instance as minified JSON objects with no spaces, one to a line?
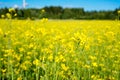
{"x":59,"y":50}
{"x":11,"y":13}
{"x":118,"y":11}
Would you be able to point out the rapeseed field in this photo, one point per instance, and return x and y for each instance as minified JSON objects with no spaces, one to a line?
{"x":59,"y":49}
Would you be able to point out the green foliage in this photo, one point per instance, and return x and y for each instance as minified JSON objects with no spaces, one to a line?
{"x":57,"y":12}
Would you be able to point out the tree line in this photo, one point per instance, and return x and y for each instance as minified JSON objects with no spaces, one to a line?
{"x":57,"y":12}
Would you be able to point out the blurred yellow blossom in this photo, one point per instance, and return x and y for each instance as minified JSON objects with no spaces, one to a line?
{"x":64,"y":67}
{"x":11,"y":9}
{"x":9,"y":16}
{"x":3,"y":70}
{"x":19,"y":78}
{"x":2,"y":16}
{"x":36,"y":62}
{"x":43,"y":10}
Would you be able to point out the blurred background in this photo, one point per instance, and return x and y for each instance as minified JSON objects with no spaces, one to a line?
{"x":62,"y":9}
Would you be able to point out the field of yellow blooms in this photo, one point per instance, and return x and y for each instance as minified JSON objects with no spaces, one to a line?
{"x":59,"y":50}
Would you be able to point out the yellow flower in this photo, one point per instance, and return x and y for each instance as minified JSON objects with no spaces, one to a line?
{"x":31,"y":45}
{"x":64,"y":67}
{"x":21,"y":49}
{"x":17,"y":71}
{"x":3,"y":70}
{"x":110,"y":36}
{"x":29,"y":53}
{"x":15,"y":14}
{"x":87,"y":66}
{"x":92,"y":57}
{"x":44,"y":20}
{"x":118,"y":11}
{"x":8,"y":15}
{"x":101,"y":65}
{"x":42,"y":10}
{"x":57,"y":59}
{"x":94,"y":64}
{"x":11,"y":10}
{"x":75,"y":78}
{"x":19,"y":78}
{"x":1,"y":59}
{"x":50,"y":57}
{"x":1,"y":32}
{"x":23,"y":66}
{"x":93,"y":76}
{"x":87,"y":47}
{"x":36,"y":62}
{"x":2,"y":16}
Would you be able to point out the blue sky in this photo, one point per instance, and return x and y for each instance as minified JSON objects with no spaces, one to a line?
{"x":86,"y":4}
